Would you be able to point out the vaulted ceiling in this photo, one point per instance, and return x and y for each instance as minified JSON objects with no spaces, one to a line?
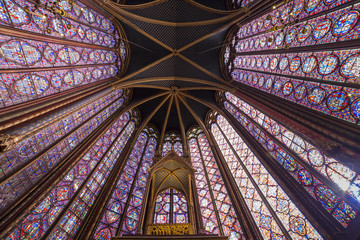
{"x":174,"y":67}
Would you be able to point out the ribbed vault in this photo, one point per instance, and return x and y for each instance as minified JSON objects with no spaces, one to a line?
{"x":181,"y":48}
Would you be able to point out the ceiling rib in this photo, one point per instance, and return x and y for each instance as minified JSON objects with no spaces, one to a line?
{"x":134,"y":105}
{"x":209,"y":105}
{"x":196,"y":4}
{"x":157,"y":108}
{"x":175,"y":24}
{"x":114,"y":12}
{"x":150,"y":86}
{"x":147,"y":80}
{"x":176,"y":66}
{"x":165,"y":121}
{"x":143,"y":5}
{"x":203,"y":69}
{"x":181,"y":122}
{"x":157,"y":2}
{"x":143,"y":69}
{"x":225,"y":26}
{"x":182,"y":72}
{"x":119,"y":16}
{"x":197,"y":88}
{"x":197,"y":119}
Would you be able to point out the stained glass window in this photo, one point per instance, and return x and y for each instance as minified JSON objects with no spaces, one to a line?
{"x":84,"y":43}
{"x":216,"y":207}
{"x":32,"y":158}
{"x":82,"y":181}
{"x":68,"y":224}
{"x":172,"y":141}
{"x":125,"y":203}
{"x":167,"y":147}
{"x":325,"y":81}
{"x":235,"y":4}
{"x":162,"y":207}
{"x":262,"y":127}
{"x":171,"y":207}
{"x":136,"y":200}
{"x":180,"y":208}
{"x":271,"y":208}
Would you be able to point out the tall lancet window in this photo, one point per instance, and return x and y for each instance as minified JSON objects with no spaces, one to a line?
{"x":283,"y":144}
{"x":38,"y":152}
{"x":217,"y":211}
{"x":121,"y":213}
{"x":235,"y":4}
{"x":50,"y":50}
{"x":59,"y":212}
{"x":275,"y":214}
{"x":171,"y":207}
{"x":172,"y":141}
{"x":47,"y":47}
{"x":277,"y":54}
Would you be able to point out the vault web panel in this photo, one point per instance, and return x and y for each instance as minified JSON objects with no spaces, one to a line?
{"x":176,"y":11}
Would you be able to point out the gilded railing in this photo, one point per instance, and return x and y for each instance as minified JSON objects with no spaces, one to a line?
{"x":170,"y":229}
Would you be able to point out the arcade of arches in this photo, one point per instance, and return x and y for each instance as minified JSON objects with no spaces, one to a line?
{"x":179,"y":119}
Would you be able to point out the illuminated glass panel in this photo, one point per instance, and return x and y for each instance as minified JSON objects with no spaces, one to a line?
{"x":258,"y":186}
{"x":134,"y":175}
{"x":162,"y":207}
{"x":234,"y":4}
{"x":48,"y":209}
{"x":29,"y":147}
{"x":245,"y":3}
{"x":337,"y":26}
{"x":261,"y":214}
{"x":172,"y":141}
{"x":25,"y":57}
{"x":70,"y":132}
{"x":332,"y":66}
{"x":167,"y":146}
{"x":111,"y":217}
{"x":80,"y":23}
{"x":206,"y":203}
{"x":69,"y":223}
{"x":171,"y":207}
{"x":211,"y":188}
{"x":289,"y":13}
{"x":20,"y":86}
{"x":345,"y":178}
{"x":334,"y":100}
{"x":26,"y":53}
{"x":135,"y":204}
{"x":178,"y":148}
{"x":305,"y":77}
{"x":180,"y":208}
